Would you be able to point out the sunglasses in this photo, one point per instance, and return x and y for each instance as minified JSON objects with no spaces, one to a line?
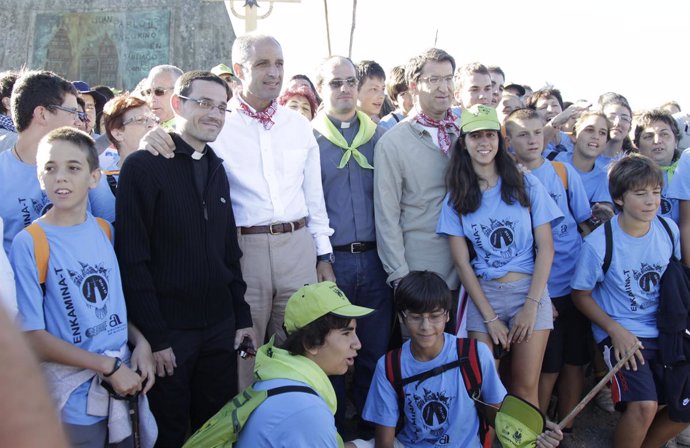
{"x":158,"y":91}
{"x":338,"y":83}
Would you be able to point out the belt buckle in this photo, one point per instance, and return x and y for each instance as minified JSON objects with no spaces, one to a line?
{"x":356,"y":248}
{"x":270,"y":229}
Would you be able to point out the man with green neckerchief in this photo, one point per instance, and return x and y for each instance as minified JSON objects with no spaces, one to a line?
{"x":346,"y":139}
{"x":320,"y":324}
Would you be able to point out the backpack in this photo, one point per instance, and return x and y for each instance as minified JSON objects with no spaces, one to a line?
{"x":112,"y":182}
{"x":42,"y":248}
{"x":223,"y":429}
{"x":471,"y":373}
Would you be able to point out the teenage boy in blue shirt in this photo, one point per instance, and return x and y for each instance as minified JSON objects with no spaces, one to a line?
{"x":78,"y":322}
{"x":565,"y":353}
{"x":423,"y":301}
{"x":622,"y":302}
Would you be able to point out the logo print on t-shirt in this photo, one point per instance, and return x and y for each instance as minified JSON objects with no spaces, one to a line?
{"x":500,"y":233}
{"x":433,"y":407}
{"x":648,"y":277}
{"x":93,"y":285}
{"x":43,"y":205}
{"x":666,"y":206}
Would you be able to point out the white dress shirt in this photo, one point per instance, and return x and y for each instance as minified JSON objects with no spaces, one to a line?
{"x":275,"y":174}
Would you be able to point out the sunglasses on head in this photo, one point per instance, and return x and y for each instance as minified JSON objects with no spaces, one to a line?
{"x":158,"y":91}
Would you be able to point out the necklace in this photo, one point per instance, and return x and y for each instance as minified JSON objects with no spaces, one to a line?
{"x":16,"y":153}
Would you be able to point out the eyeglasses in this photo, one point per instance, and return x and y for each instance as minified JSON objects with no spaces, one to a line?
{"x":83,"y":117}
{"x":158,"y":91}
{"x":436,"y":80}
{"x":74,"y":111}
{"x":417,"y":319}
{"x":622,"y":118}
{"x":208,"y":105}
{"x":142,"y":119}
{"x":338,"y":83}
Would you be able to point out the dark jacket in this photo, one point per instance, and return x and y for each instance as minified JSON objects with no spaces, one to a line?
{"x":178,"y":252}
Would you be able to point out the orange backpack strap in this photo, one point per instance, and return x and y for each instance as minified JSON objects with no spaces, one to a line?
{"x":41,"y":250}
{"x":105,"y":226}
{"x":562,"y":173}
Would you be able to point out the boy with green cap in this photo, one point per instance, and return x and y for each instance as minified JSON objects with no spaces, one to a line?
{"x":320,"y":323}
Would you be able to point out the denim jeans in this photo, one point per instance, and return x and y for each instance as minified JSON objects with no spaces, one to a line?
{"x":362,"y":278}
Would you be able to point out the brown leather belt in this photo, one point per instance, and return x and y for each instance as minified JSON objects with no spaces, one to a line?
{"x":275,"y":229}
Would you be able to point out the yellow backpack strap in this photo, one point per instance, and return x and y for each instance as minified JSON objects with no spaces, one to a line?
{"x":562,"y":173}
{"x":41,"y":250}
{"x":105,"y":226}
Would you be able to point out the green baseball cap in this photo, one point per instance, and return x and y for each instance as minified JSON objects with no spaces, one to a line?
{"x":479,"y":118}
{"x":222,"y":69}
{"x":316,"y":300}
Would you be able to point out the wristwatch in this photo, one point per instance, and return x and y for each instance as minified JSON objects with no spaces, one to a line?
{"x":328,"y":258}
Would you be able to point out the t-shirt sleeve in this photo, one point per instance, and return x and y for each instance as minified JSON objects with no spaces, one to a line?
{"x":543,"y":208}
{"x":381,"y":406}
{"x":102,"y":200}
{"x":588,"y":269}
{"x":680,"y":184}
{"x":29,"y":291}
{"x":601,"y":192}
{"x":493,"y":391}
{"x":449,"y":222}
{"x":579,"y":203}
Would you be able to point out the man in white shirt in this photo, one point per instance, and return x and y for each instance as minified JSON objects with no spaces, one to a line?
{"x":272,"y":161}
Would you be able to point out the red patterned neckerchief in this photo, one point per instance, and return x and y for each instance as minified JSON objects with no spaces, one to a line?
{"x":265,"y":117}
{"x":442,"y":125}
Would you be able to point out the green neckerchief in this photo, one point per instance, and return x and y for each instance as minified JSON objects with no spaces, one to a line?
{"x":671,"y":169}
{"x":275,"y":363}
{"x":367,"y":128}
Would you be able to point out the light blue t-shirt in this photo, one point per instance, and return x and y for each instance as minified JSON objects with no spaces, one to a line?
{"x":438,"y":411}
{"x":21,"y":199}
{"x":501,"y":233}
{"x":669,"y":207}
{"x":109,"y":157}
{"x":101,"y":198}
{"x":291,"y":419}
{"x":391,"y":120}
{"x":679,"y":187}
{"x":83,"y":305}
{"x":629,"y":292}
{"x":566,"y":238}
{"x":596,"y":181}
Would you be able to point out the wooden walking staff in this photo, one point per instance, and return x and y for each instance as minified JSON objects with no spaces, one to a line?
{"x":581,"y":405}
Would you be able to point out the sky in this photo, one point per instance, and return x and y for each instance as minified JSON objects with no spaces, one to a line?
{"x":582,"y":47}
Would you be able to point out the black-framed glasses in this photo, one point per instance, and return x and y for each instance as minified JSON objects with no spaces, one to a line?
{"x":338,"y":83}
{"x":207,"y":104}
{"x":142,"y":119}
{"x":158,"y":91}
{"x":72,"y":110}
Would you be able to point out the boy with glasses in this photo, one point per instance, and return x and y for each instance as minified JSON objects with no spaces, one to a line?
{"x":41,"y":101}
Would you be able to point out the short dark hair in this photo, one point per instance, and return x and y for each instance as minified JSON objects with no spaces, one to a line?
{"x":632,"y":172}
{"x":369,"y":69}
{"x":78,"y":138}
{"x":37,"y":88}
{"x":422,"y":292}
{"x":114,"y":111}
{"x":544,"y":93}
{"x":413,"y":69}
{"x":7,"y":80}
{"x":496,"y":69}
{"x":183,"y":85}
{"x":396,"y":83}
{"x":647,"y":118}
{"x":314,"y":334}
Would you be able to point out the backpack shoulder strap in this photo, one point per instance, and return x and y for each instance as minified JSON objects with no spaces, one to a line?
{"x":286,"y":389}
{"x":112,"y":183}
{"x":105,"y":226}
{"x":471,"y":371}
{"x":394,"y":376}
{"x":608,"y":251}
{"x":41,"y":250}
{"x":670,"y":235}
{"x":562,"y":173}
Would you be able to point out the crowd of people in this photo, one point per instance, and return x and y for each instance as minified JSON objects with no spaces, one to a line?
{"x":157,"y":244}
